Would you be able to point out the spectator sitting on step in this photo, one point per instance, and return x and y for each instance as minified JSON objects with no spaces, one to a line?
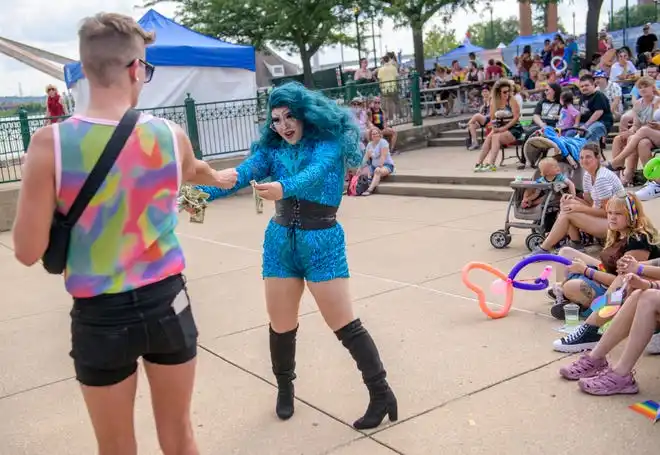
{"x":613,"y":92}
{"x":569,"y":116}
{"x":505,"y":116}
{"x":642,"y":113}
{"x":595,"y":110}
{"x":627,"y":118}
{"x":480,"y":119}
{"x":638,"y":318}
{"x":378,"y":120}
{"x":378,"y":159}
{"x":587,"y":215}
{"x":587,"y":335}
{"x":362,"y":117}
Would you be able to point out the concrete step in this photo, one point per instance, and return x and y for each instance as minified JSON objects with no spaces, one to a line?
{"x":474,"y":180}
{"x":446,"y":142}
{"x":446,"y":191}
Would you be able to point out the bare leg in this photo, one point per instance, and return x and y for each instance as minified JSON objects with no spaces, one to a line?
{"x":485,"y":149}
{"x":379,"y":173}
{"x":494,"y":148}
{"x":631,"y":147}
{"x":629,"y":168}
{"x":580,"y":292}
{"x":587,"y":223}
{"x":390,"y":133}
{"x":334,"y":301}
{"x":171,"y":394}
{"x":626,"y":120}
{"x":619,"y":329}
{"x":641,"y":331}
{"x":644,"y":150}
{"x":619,"y":143}
{"x":475,"y":122}
{"x":111,"y":410}
{"x":283,"y":301}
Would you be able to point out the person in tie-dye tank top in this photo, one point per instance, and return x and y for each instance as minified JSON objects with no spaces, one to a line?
{"x":125,"y":263}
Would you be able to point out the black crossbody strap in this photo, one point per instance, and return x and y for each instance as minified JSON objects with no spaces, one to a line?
{"x":107,"y":159}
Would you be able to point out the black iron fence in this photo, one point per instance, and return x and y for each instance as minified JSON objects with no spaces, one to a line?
{"x":219,"y":128}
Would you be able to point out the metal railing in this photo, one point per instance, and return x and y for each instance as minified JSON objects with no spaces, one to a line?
{"x":218,"y":128}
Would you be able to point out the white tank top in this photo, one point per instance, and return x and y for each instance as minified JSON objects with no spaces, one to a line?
{"x":656,"y":116}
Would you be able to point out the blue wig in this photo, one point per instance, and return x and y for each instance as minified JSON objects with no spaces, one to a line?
{"x":322,"y":118}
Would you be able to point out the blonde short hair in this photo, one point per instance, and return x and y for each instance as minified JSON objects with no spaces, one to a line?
{"x":547,"y":161}
{"x":108,"y":44}
{"x":645,"y":81}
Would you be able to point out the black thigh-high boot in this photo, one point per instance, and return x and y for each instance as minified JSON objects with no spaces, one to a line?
{"x":382,"y":401}
{"x":283,"y":359}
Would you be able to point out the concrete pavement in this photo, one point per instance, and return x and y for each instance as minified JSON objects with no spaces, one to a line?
{"x":466,"y":384}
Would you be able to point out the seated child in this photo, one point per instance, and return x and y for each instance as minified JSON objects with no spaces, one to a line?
{"x":569,"y":116}
{"x":550,"y":173}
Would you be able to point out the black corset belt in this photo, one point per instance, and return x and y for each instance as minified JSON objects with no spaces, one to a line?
{"x":305,"y":215}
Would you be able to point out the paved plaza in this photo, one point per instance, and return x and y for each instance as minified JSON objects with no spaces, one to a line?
{"x":465,"y":384}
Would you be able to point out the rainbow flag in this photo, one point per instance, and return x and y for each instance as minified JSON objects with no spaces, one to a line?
{"x":648,"y":408}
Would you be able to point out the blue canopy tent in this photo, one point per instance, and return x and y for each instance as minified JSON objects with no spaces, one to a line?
{"x":186,"y":62}
{"x":460,"y":53}
{"x":531,"y":40}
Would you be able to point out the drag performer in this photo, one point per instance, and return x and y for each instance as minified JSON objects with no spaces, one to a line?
{"x":305,"y":148}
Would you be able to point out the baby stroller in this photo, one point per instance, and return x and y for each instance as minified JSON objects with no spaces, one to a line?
{"x":540,"y":218}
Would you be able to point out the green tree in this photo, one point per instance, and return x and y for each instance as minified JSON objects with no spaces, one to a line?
{"x":302,"y":26}
{"x":503,"y":31}
{"x":439,"y":42}
{"x":416,"y":13}
{"x":637,"y":15}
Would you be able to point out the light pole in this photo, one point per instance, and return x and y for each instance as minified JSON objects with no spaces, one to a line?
{"x":611,"y":15}
{"x":373,"y":39}
{"x":489,"y":7}
{"x":574,"y":24}
{"x":625,"y":29}
{"x":356,"y":13}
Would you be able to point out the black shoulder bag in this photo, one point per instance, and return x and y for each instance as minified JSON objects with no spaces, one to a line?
{"x":55,"y":257}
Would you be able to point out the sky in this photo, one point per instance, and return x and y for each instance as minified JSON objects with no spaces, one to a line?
{"x":52,"y":26}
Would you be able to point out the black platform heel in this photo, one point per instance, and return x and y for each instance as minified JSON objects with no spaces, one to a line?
{"x":283,"y":359}
{"x":382,"y":401}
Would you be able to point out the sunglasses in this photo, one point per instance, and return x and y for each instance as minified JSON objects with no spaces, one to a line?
{"x":148,"y":69}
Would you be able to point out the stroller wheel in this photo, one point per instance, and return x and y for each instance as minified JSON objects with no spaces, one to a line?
{"x":500,"y":239}
{"x":533,"y":241}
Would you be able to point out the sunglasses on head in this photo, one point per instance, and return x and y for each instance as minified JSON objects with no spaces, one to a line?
{"x":148,"y":69}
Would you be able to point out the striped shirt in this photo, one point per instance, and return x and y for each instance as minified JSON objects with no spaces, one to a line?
{"x":604,"y":187}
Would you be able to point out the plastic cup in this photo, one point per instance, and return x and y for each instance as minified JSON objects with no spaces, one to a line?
{"x":571,"y":315}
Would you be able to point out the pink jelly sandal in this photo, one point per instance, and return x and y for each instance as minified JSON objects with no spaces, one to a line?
{"x":584,"y":367}
{"x":609,"y":383}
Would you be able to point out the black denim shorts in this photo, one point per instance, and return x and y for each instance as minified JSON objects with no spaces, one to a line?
{"x":110,"y":332}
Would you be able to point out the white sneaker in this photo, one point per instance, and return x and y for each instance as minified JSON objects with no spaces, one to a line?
{"x":650,"y":191}
{"x":654,"y":345}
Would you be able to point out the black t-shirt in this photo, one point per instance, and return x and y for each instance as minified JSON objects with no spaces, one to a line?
{"x":548,"y":111}
{"x":597,"y":101}
{"x":645,"y":42}
{"x":609,"y":256}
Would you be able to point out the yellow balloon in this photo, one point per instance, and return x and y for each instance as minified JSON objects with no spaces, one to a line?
{"x":656,"y":60}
